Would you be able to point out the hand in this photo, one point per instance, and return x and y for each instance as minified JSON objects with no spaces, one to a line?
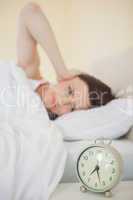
{"x":66,"y":76}
{"x":69,"y":74}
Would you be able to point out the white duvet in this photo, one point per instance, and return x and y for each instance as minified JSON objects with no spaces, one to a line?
{"x":32,"y":152}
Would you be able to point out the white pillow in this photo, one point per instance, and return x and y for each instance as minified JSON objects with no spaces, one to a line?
{"x":110,"y":121}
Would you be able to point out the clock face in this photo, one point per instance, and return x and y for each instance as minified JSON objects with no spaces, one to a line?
{"x":98,"y":168}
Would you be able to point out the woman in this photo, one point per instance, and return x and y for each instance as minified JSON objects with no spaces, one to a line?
{"x":73,"y":91}
{"x":31,"y":147}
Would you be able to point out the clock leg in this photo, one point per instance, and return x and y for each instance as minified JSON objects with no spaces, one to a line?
{"x":83,"y":188}
{"x":108,"y":193}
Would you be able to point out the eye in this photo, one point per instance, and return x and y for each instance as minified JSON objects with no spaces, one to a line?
{"x":72,"y":109}
{"x":70,"y":90}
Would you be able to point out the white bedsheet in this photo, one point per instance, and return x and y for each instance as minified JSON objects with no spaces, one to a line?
{"x":32,"y":152}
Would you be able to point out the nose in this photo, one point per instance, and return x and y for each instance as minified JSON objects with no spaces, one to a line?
{"x":65,"y":100}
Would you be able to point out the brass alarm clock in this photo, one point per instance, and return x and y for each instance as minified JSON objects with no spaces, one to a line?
{"x":99,"y":167}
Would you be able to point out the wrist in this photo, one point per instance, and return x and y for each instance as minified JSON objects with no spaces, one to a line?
{"x":63,"y":72}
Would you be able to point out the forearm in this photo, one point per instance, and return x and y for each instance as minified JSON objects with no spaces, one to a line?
{"x":26,"y":49}
{"x":40,"y":29}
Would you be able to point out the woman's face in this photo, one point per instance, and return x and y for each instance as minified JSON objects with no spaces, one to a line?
{"x":66,"y":96}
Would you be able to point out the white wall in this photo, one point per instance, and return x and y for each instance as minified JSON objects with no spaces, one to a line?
{"x":56,"y":12}
{"x":94,"y":36}
{"x":102,"y":39}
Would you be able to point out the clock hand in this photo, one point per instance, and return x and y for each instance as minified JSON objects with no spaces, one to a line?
{"x":98,"y":175}
{"x":98,"y":170}
{"x":94,"y":170}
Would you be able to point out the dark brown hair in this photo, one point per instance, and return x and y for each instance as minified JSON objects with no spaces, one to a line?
{"x":99,"y":93}
{"x":52,"y":116}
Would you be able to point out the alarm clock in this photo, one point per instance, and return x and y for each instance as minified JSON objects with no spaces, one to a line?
{"x":99,"y":167}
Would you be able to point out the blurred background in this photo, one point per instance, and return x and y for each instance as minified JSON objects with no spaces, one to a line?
{"x":94,"y":36}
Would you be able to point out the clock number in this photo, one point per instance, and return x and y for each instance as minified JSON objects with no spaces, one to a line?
{"x":103,"y":183}
{"x":110,"y":178}
{"x":82,"y":164}
{"x":99,"y":151}
{"x":96,"y":184}
{"x":91,"y":153}
{"x":85,"y":157}
{"x":113,"y":170}
{"x":112,"y":162}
